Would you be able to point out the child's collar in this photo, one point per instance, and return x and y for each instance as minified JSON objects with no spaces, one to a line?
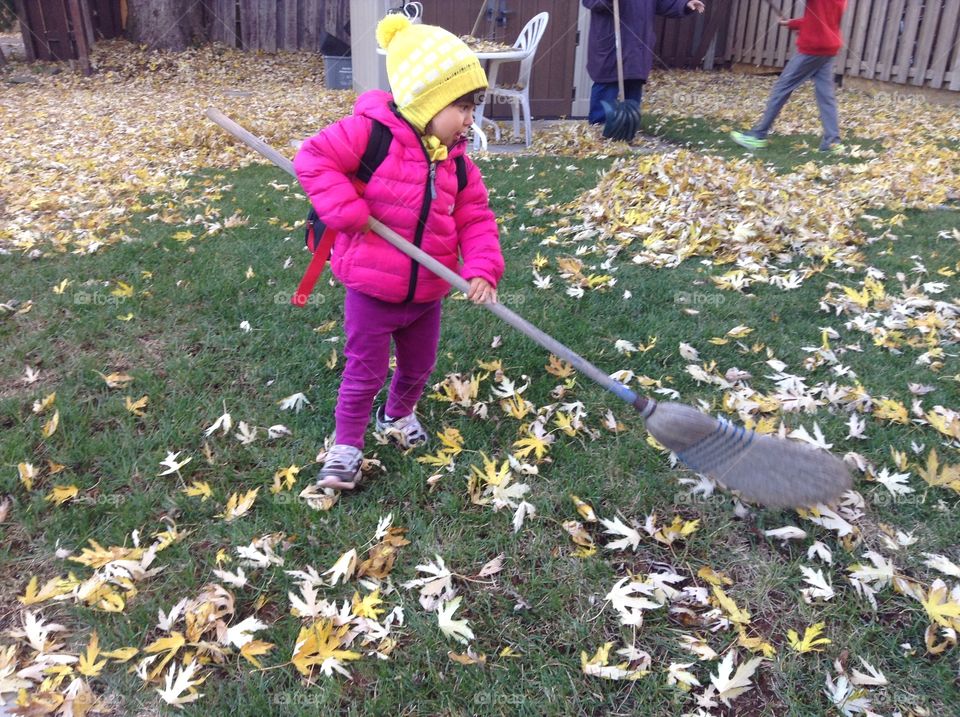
{"x":436,"y":150}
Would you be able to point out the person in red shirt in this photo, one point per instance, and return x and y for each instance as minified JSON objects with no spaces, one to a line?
{"x":818,"y":42}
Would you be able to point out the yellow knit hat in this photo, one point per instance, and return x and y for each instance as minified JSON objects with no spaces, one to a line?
{"x":427,"y":66}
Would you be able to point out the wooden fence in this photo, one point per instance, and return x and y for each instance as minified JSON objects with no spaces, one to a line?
{"x":272,"y":25}
{"x":913,"y":42}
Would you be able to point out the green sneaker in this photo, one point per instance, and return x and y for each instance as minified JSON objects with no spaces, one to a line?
{"x":748,"y":140}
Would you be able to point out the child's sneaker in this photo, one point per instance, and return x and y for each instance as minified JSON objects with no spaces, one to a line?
{"x":748,"y":140}
{"x":406,"y":432}
{"x":835,"y":148}
{"x":341,"y":468}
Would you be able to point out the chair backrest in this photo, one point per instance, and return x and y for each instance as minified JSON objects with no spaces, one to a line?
{"x":529,"y":38}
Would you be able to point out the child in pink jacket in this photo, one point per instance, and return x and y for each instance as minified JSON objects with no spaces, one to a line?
{"x":435,"y":80}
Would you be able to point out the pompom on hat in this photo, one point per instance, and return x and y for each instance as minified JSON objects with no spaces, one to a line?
{"x":427,"y":66}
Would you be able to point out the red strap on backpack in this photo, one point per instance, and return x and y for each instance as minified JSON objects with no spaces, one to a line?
{"x":317,"y":261}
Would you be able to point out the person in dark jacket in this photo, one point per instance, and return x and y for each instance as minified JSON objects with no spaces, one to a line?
{"x":638,"y":40}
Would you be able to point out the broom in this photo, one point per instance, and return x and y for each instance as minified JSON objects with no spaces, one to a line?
{"x":772,"y":471}
{"x":622,"y":120}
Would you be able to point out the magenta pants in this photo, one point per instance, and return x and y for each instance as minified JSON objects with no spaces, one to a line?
{"x":369,"y":325}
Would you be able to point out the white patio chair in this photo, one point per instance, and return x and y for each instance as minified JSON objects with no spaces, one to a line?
{"x":518,"y":95}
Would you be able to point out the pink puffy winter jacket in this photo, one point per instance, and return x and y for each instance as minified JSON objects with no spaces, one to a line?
{"x":418,"y":201}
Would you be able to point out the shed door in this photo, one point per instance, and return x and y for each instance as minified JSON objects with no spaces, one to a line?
{"x":551,"y":89}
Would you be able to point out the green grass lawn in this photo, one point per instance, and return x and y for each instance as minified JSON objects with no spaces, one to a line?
{"x":182,"y":343}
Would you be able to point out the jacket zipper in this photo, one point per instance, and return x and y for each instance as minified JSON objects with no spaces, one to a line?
{"x":428,"y":195}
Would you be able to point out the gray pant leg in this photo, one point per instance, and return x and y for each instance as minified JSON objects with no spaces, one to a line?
{"x":800,"y":68}
{"x":827,"y":103}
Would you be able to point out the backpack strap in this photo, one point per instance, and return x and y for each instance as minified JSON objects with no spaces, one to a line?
{"x":461,"y":172}
{"x":377,"y":147}
{"x":319,"y":238}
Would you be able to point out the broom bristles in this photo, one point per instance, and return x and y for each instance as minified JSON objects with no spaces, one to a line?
{"x":769,"y":470}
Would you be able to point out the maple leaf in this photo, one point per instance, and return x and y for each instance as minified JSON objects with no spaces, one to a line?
{"x":820,"y":587}
{"x":170,"y":645}
{"x":811,"y":641}
{"x":492,"y":567}
{"x":319,"y":644}
{"x":730,"y":608}
{"x":598,"y":666}
{"x":200,"y":489}
{"x":47,"y":402}
{"x":631,"y":538}
{"x":584,"y":509}
{"x":624,"y":598}
{"x":60,"y":494}
{"x":559,"y":368}
{"x":942,"y":563}
{"x":367,"y":607}
{"x":224,"y":424}
{"x":246,"y":434}
{"x":27,"y":474}
{"x":295,"y":402}
{"x":136,"y":407}
{"x":677,"y":674}
{"x":308,"y":606}
{"x":343,"y":569}
{"x":176,"y":684}
{"x":284,"y":479}
{"x":788,"y":532}
{"x":942,"y":605}
{"x":238,"y":505}
{"x":253,"y":649}
{"x":241,"y":633}
{"x":50,"y":427}
{"x":171,"y":464}
{"x":728,"y":687}
{"x":88,"y":665}
{"x":457,"y":629}
{"x":531,"y":444}
{"x":116,"y":380}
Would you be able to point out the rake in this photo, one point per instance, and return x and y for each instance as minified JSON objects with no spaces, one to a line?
{"x":773,"y":471}
{"x":623,"y":119}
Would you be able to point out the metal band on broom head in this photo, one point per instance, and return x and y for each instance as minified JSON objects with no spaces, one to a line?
{"x":772,"y":471}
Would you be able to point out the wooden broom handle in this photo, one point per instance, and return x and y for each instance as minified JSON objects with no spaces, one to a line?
{"x":616,"y":34}
{"x":457,"y":281}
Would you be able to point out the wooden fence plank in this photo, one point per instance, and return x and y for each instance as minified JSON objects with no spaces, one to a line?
{"x":763,"y":34}
{"x":290,"y":30}
{"x":746,"y":11}
{"x":874,"y":37}
{"x":311,"y":14}
{"x":225,"y":22}
{"x":955,"y":70}
{"x":750,"y":38}
{"x":928,"y":28}
{"x":845,"y":24}
{"x":947,"y":41}
{"x":860,"y":22}
{"x":249,"y":26}
{"x":891,"y":35}
{"x":911,"y":25}
{"x":267,"y":20}
{"x":784,"y":36}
